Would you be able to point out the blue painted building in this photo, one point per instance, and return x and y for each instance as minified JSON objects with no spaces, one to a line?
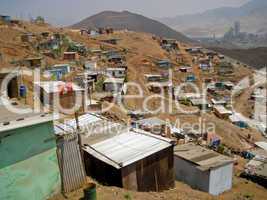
{"x":57,"y":72}
{"x":238,"y":120}
{"x":5,"y":18}
{"x":191,"y":78}
{"x":164,"y":64}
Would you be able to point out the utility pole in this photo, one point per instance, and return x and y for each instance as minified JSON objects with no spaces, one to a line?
{"x":78,"y":133}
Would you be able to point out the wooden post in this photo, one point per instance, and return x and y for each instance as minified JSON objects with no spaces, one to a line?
{"x":78,"y":133}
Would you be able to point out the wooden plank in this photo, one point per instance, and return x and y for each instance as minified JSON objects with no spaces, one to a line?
{"x":129,"y":178}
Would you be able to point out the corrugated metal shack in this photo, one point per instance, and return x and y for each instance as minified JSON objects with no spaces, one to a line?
{"x":95,"y":128}
{"x":256,"y":169}
{"x":135,"y":160}
{"x":203,"y":169}
{"x":123,"y":157}
{"x":222,"y":112}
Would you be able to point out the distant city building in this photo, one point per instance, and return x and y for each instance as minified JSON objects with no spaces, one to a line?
{"x":233,"y":32}
{"x":237,"y":28}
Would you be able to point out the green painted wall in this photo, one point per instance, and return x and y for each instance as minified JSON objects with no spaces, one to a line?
{"x":28,"y":163}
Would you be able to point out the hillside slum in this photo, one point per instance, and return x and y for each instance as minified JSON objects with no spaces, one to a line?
{"x":133,"y":151}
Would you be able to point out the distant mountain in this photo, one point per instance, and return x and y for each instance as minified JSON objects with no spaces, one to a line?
{"x":131,"y":21}
{"x":251,"y":15}
{"x":256,"y":57}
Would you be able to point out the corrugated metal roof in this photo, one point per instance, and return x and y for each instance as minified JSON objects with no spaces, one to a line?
{"x":90,"y":125}
{"x":236,"y":117}
{"x":84,"y":120}
{"x":262,"y":145}
{"x":127,"y":148}
{"x":203,"y":158}
{"x":154,"y":121}
{"x":218,"y":102}
{"x":70,"y":126}
{"x":222,"y":110}
{"x":200,"y":101}
{"x":116,"y":69}
{"x":114,"y":80}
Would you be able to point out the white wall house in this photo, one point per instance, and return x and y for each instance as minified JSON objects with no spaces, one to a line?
{"x":116,"y":72}
{"x":203,"y":169}
{"x":113,"y":84}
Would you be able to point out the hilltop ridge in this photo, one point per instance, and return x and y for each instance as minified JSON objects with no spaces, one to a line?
{"x":130,"y":21}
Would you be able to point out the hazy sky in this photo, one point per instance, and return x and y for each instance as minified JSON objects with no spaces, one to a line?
{"x":65,"y":12}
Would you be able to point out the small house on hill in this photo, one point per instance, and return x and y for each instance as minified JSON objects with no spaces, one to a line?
{"x":113,"y":85}
{"x":229,"y":85}
{"x":191,"y":78}
{"x":164,"y":64}
{"x":238,"y":120}
{"x":51,"y":44}
{"x":113,"y":41}
{"x":45,"y":34}
{"x":200,"y":103}
{"x":64,"y":67}
{"x":203,"y":169}
{"x":86,"y":80}
{"x":221,"y":56}
{"x":153,"y":77}
{"x":95,"y":52}
{"x":205,"y":64}
{"x":57,"y":93}
{"x":169,"y":44}
{"x":121,"y":65}
{"x":256,"y":170}
{"x":16,"y":22}
{"x":78,"y":48}
{"x":218,"y":102}
{"x":110,"y":53}
{"x":90,"y":65}
{"x":194,"y":50}
{"x":116,"y":72}
{"x":222,"y":112}
{"x":5,"y":18}
{"x":54,"y":74}
{"x":27,"y":37}
{"x":57,"y":72}
{"x":153,"y":125}
{"x":185,"y":96}
{"x":34,"y":62}
{"x":185,"y":69}
{"x":70,"y":56}
{"x":211,"y":54}
{"x":225,"y":68}
{"x":135,"y":160}
{"x":115,"y":58}
{"x":159,"y":87}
